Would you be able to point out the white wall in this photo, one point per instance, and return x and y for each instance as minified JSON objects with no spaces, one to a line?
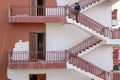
{"x":61,"y":37}
{"x":21,"y":46}
{"x":51,"y":74}
{"x":101,"y":13}
{"x":64,"y":2}
{"x":101,"y":57}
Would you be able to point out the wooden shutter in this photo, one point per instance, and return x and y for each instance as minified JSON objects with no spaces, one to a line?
{"x":33,"y":45}
{"x":41,"y":76}
{"x":33,"y":7}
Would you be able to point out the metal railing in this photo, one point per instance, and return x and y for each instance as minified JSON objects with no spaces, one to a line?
{"x":82,"y":46}
{"x":92,"y":24}
{"x":116,"y":75}
{"x":16,"y":10}
{"x":88,"y":67}
{"x":29,"y":56}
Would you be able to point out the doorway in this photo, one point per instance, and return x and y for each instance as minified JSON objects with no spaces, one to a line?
{"x":41,"y":46}
{"x":40,"y":7}
{"x":37,"y":45}
{"x":37,"y":77}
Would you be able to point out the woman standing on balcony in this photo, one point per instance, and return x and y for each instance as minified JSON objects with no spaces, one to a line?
{"x":77,"y":9}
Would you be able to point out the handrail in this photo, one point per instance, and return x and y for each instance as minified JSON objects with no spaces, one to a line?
{"x":28,"y":56}
{"x":85,"y":3}
{"x":116,"y":75}
{"x":87,"y":66}
{"x":37,"y":10}
{"x":92,"y":24}
{"x":84,"y":45}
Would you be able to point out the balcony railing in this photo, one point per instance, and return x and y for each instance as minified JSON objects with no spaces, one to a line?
{"x":115,"y":33}
{"x":34,"y":56}
{"x":37,"y":13}
{"x":116,"y":75}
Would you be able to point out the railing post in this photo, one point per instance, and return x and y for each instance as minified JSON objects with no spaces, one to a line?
{"x":67,"y":55}
{"x":109,"y":76}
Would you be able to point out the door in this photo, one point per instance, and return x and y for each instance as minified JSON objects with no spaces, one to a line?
{"x":33,"y":77}
{"x":37,"y":45}
{"x":40,"y":8}
{"x":41,"y":77}
{"x":33,"y":7}
{"x":36,"y":7}
{"x":33,"y":45}
{"x":41,"y":46}
{"x":37,"y":77}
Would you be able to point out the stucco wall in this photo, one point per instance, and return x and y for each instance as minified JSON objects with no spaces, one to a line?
{"x":102,"y":57}
{"x":101,"y":13}
{"x":64,"y":2}
{"x":51,"y":74}
{"x":61,"y":37}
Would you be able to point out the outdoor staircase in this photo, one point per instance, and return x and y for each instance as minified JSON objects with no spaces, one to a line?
{"x":88,"y":68}
{"x":101,"y":34}
{"x":91,"y":26}
{"x":71,"y":66}
{"x":86,"y":46}
{"x":86,"y":23}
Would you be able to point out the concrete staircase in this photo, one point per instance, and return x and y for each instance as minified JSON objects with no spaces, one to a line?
{"x":86,"y":46}
{"x":71,"y":66}
{"x":87,"y":68}
{"x":90,"y":49}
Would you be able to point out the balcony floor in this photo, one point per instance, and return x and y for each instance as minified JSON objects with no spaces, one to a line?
{"x":36,"y":19}
{"x":37,"y":65}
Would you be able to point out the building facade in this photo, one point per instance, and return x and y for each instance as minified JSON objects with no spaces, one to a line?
{"x":41,"y":40}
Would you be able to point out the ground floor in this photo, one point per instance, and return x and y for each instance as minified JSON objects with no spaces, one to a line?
{"x":45,"y":74}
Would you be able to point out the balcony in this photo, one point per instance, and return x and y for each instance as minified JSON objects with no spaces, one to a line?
{"x":36,"y":60}
{"x":37,"y":14}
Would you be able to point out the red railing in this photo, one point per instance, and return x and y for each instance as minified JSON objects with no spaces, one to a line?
{"x":92,"y":24}
{"x":116,"y":75}
{"x":85,"y":3}
{"x":82,"y":46}
{"x":87,"y":66}
{"x":115,"y":33}
{"x":28,"y":56}
{"x":16,"y":10}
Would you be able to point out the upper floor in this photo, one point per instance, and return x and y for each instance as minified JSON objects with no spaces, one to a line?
{"x":45,"y":11}
{"x":34,"y":12}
